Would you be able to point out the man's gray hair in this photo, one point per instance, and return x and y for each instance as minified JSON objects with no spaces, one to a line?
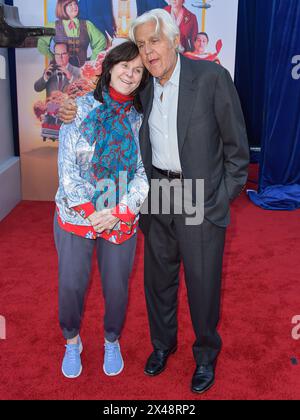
{"x":163,"y":20}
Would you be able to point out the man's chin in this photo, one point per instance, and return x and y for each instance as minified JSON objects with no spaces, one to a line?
{"x":155,"y":73}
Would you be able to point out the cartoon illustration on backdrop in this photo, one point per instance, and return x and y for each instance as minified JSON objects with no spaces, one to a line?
{"x":79,"y":34}
{"x":86,"y":29}
{"x":186,"y":21}
{"x":199,"y":51}
{"x":71,"y":71}
{"x":201,"y":39}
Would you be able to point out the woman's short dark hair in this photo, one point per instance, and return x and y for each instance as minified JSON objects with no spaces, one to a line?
{"x":60,"y":10}
{"x":127,"y":51}
{"x":202,"y":33}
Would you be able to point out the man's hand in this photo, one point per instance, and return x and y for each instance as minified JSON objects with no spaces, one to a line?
{"x":67,"y":111}
{"x":103,"y":220}
{"x":66,"y":72}
{"x":48,"y":72}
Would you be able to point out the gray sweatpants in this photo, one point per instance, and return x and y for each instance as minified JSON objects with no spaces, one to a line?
{"x":74,"y":264}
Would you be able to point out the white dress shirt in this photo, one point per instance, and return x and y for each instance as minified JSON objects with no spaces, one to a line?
{"x":163,"y":123}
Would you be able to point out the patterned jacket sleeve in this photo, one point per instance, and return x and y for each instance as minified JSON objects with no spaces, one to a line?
{"x":138,"y":189}
{"x":77,"y":190}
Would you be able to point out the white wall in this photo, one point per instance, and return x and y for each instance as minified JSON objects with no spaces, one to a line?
{"x":10,"y":185}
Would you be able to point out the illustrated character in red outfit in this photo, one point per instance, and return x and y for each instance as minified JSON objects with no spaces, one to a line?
{"x":200,"y":44}
{"x":186,"y":21}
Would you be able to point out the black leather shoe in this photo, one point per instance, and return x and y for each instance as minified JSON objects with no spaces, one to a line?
{"x":203,"y":378}
{"x":157,"y":361}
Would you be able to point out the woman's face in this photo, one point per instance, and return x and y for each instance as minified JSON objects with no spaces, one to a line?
{"x":126,"y":76}
{"x":72,"y":10}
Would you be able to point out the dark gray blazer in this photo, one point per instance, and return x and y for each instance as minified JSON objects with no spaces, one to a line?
{"x":212,"y":137}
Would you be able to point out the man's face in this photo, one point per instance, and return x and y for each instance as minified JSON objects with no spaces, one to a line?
{"x":61,"y":55}
{"x":201,"y":44}
{"x":157,"y":51}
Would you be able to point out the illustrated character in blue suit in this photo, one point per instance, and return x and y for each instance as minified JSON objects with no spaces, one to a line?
{"x":100,"y":12}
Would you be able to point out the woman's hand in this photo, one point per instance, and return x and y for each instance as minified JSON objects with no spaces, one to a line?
{"x":103,"y":220}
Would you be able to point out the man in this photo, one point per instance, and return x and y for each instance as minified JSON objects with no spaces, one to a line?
{"x":102,"y":13}
{"x":58,"y":75}
{"x":193,"y":129}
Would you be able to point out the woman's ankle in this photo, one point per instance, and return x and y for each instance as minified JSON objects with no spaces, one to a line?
{"x":73,"y":340}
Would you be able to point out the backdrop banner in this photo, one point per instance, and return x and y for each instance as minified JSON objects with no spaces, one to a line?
{"x":279,"y":183}
{"x":69,"y":64}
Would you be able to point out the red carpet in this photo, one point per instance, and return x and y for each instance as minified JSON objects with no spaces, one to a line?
{"x":260,"y":297}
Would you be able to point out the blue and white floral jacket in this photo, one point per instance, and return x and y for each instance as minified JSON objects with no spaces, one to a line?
{"x":74,"y":168}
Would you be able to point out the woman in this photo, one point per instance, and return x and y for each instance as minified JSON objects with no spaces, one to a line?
{"x":186,"y":21}
{"x":102,"y":186}
{"x":78,"y":34}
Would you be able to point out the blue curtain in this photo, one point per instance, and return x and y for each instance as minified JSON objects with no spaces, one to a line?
{"x":279,"y":181}
{"x":251,"y":61}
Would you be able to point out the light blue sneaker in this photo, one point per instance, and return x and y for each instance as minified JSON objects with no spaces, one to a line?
{"x":113,"y":361}
{"x":71,"y":365}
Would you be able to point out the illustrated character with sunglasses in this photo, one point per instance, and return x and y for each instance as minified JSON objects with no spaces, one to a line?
{"x":56,"y":78}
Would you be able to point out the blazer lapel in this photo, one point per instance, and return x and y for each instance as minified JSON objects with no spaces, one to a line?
{"x":147,"y":100}
{"x":186,"y":100}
